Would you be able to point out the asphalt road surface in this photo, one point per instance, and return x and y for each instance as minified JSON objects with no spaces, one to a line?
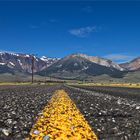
{"x":111,"y":117}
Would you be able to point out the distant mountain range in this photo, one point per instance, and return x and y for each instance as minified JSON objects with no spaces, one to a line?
{"x":75,"y":66}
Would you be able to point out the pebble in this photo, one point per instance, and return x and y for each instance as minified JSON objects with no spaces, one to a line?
{"x":36,"y":132}
{"x":99,"y":130}
{"x":9,"y":121}
{"x":119,"y":101}
{"x":46,"y":138}
{"x":113,"y":120}
{"x":6,"y":132}
{"x":138,"y":107}
{"x":13,"y":112}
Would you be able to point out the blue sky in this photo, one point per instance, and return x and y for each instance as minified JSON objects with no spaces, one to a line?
{"x":56,"y":29}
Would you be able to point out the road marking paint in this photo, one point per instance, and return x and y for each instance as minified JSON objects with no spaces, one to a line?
{"x":61,"y":120}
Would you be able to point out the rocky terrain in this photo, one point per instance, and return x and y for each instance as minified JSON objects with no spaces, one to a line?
{"x":111,"y":117}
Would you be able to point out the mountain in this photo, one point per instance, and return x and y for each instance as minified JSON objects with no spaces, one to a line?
{"x":10,"y":62}
{"x":79,"y":66}
{"x":49,"y":60}
{"x":101,"y":61}
{"x":133,"y":65}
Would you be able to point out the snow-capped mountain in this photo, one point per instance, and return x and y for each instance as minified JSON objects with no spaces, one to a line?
{"x":23,"y":62}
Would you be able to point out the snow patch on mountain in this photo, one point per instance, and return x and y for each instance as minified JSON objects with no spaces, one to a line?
{"x":27,"y":55}
{"x":2,"y":64}
{"x":20,"y":62}
{"x":12,"y":63}
{"x":44,"y":58}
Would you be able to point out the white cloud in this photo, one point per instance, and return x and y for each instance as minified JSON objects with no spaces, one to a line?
{"x":120,"y":58}
{"x":84,"y":31}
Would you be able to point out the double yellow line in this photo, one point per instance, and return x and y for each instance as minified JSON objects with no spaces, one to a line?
{"x":61,"y":120}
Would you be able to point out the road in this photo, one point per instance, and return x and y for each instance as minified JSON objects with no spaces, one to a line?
{"x":111,"y":117}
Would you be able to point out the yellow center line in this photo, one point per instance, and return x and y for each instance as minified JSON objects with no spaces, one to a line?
{"x":61,"y":120}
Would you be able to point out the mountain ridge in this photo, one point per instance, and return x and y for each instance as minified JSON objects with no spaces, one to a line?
{"x":100,"y":60}
{"x":71,"y":66}
{"x":77,"y":66}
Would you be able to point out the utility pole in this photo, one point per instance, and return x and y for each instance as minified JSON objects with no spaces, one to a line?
{"x":46,"y":76}
{"x":33,"y":59}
